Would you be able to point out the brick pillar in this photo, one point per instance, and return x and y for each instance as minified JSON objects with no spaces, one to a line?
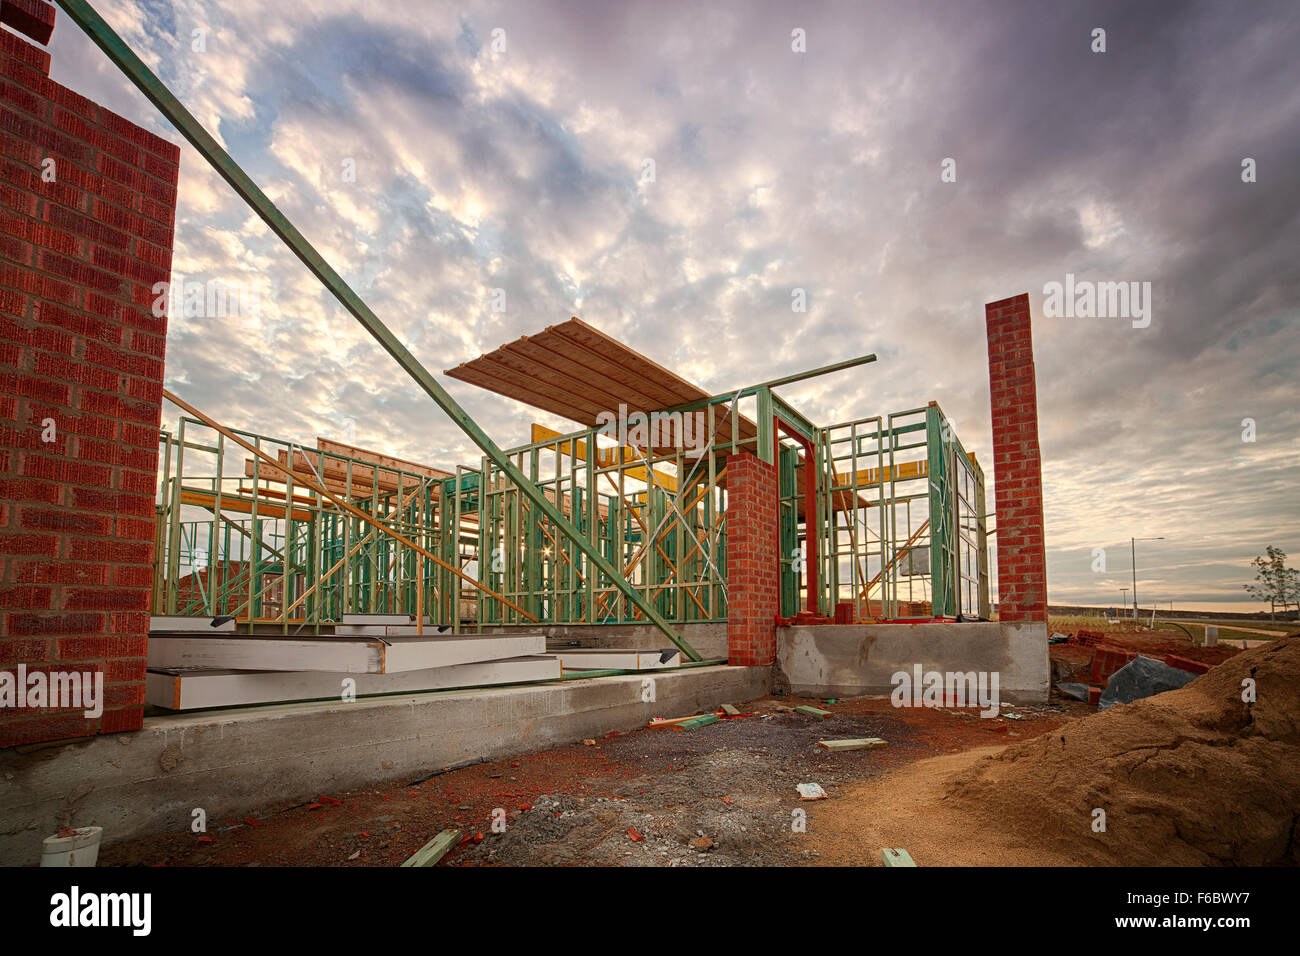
{"x":88,"y":203}
{"x":753,"y":555}
{"x":1017,"y":467}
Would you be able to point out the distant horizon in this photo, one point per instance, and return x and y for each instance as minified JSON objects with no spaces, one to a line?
{"x":1246,"y":607}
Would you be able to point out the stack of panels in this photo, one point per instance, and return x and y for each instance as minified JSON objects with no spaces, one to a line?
{"x":369,"y":654}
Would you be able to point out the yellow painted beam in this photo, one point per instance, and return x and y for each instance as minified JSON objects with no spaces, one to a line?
{"x":605,"y":457}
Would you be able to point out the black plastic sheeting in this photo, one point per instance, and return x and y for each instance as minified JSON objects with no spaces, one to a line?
{"x":1142,"y":677}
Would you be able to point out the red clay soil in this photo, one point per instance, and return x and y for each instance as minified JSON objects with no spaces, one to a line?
{"x":643,"y":770}
{"x":1187,"y":777}
{"x":1161,"y":643}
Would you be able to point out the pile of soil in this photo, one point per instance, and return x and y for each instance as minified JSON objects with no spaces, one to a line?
{"x":1188,"y":777}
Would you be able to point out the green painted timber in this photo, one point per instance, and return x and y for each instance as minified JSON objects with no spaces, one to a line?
{"x":699,"y":721}
{"x":809,"y":711}
{"x":117,"y":50}
{"x":791,"y":554}
{"x":896,"y":857}
{"x":435,"y":849}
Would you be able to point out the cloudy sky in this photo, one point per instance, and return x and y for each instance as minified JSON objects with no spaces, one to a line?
{"x":481,"y":168}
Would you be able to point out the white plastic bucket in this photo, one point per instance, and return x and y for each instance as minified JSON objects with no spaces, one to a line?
{"x":81,"y":848}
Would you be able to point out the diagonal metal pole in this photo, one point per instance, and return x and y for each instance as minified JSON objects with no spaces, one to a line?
{"x":85,"y":16}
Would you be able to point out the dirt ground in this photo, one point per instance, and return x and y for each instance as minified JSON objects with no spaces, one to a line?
{"x":729,"y":786}
{"x":720,"y":795}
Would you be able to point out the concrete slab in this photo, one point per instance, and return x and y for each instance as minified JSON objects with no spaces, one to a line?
{"x":232,"y":762}
{"x":847,"y":660}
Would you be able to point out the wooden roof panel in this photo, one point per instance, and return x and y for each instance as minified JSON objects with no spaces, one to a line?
{"x":576,"y":371}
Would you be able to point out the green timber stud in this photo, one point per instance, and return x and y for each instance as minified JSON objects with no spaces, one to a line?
{"x":982,"y":553}
{"x":766,"y":427}
{"x":771,"y":384}
{"x":943,"y":552}
{"x":789,"y":521}
{"x":117,"y":50}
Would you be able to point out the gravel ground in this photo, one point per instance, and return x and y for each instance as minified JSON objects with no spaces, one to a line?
{"x":721,"y":795}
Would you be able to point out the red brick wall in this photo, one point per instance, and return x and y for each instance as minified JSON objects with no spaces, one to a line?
{"x":81,"y":349}
{"x":1017,"y":467}
{"x":753,"y":545}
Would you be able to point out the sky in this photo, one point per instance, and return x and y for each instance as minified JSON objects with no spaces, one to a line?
{"x":911,"y":162}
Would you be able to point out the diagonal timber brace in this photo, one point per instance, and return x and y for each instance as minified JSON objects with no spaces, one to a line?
{"x":85,"y":16}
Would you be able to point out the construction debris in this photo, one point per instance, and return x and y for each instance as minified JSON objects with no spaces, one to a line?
{"x":658,"y":723}
{"x":435,"y":849}
{"x":698,"y":722}
{"x":809,"y":711}
{"x":1073,"y":690}
{"x":896,"y":857}
{"x":853,"y":743}
{"x":730,"y":710}
{"x":1142,"y":677}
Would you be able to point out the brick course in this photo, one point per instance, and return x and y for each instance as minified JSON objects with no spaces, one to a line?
{"x":1017,"y":465}
{"x":79,"y":347}
{"x":753,"y":577}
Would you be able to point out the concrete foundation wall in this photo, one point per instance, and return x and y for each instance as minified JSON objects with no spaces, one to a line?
{"x":854,"y":659}
{"x":710,"y":639}
{"x":232,"y":762}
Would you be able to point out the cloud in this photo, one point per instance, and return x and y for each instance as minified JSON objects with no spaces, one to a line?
{"x":521,"y":169}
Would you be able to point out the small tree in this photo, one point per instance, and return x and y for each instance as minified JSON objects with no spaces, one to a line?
{"x":1274,"y":581}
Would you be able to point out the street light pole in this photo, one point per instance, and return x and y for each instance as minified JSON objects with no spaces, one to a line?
{"x":1132,"y":544}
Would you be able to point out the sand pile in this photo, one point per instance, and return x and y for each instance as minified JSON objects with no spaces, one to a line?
{"x":1191,"y":776}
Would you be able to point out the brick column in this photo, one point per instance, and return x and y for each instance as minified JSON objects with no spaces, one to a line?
{"x":753,"y":555}
{"x":88,"y":203}
{"x":1017,"y":467}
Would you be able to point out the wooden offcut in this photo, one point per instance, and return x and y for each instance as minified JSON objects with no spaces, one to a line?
{"x":809,"y":711}
{"x":435,"y":849}
{"x":699,"y":722}
{"x":661,"y":722}
{"x":896,"y":857}
{"x":853,"y":743}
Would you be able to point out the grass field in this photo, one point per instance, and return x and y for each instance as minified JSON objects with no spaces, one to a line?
{"x":1227,"y":632}
{"x":1070,"y":623}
